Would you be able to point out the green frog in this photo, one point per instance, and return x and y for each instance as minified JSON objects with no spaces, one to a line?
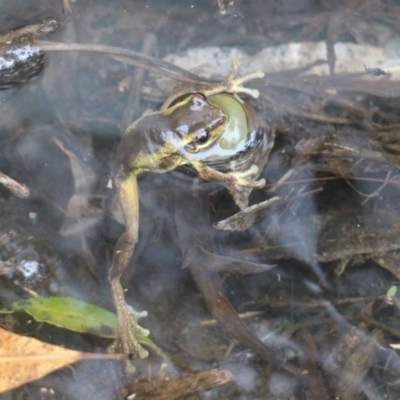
{"x":210,"y":129}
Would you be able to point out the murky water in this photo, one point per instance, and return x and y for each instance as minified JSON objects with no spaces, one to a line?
{"x":323,"y":311}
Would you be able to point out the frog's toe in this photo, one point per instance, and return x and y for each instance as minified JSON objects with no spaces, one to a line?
{"x":240,"y":183}
{"x":248,"y":179}
{"x":127,"y":331}
{"x":250,"y":174}
{"x":235,"y":82}
{"x":258,"y":184}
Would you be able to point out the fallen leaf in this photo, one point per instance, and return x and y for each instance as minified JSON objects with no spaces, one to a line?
{"x":24,"y":359}
{"x":354,"y":371}
{"x":71,"y":314}
{"x":76,"y":316}
{"x":181,"y":388}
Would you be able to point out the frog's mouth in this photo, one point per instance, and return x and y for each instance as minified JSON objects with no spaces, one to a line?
{"x":191,"y":148}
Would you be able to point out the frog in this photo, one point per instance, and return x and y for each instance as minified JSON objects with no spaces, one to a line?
{"x":210,"y":129}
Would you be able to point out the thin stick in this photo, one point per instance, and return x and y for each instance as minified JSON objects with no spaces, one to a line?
{"x":135,"y":87}
{"x":137,"y":59}
{"x":16,"y":188}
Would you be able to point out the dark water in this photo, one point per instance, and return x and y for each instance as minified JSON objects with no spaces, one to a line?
{"x":334,"y":239}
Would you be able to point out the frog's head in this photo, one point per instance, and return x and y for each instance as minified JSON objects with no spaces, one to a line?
{"x":161,"y":141}
{"x":194,"y":124}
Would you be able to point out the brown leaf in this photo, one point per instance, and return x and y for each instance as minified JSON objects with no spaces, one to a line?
{"x":24,"y":359}
{"x":351,"y":380}
{"x":181,"y":388}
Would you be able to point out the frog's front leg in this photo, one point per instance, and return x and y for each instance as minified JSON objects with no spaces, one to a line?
{"x":239,"y":184}
{"x":234,"y":83}
{"x":127,"y":326}
{"x":244,"y":183}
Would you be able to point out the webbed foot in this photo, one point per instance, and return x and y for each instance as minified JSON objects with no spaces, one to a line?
{"x":234,"y":83}
{"x":127,"y":326}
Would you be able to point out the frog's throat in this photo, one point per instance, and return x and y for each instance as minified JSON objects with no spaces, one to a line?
{"x":237,"y":127}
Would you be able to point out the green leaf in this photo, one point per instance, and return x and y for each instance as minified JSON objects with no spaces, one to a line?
{"x":77,"y":316}
{"x":71,"y":314}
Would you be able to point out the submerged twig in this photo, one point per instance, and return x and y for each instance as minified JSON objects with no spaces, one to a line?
{"x":128,"y":56}
{"x":135,"y":87}
{"x":16,"y":188}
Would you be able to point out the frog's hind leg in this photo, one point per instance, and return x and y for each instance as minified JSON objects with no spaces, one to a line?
{"x":127,"y":326}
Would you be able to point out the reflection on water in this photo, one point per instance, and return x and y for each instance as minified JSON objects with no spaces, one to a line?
{"x":333,"y":237}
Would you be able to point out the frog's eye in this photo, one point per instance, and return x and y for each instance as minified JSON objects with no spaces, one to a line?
{"x":202,"y":136}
